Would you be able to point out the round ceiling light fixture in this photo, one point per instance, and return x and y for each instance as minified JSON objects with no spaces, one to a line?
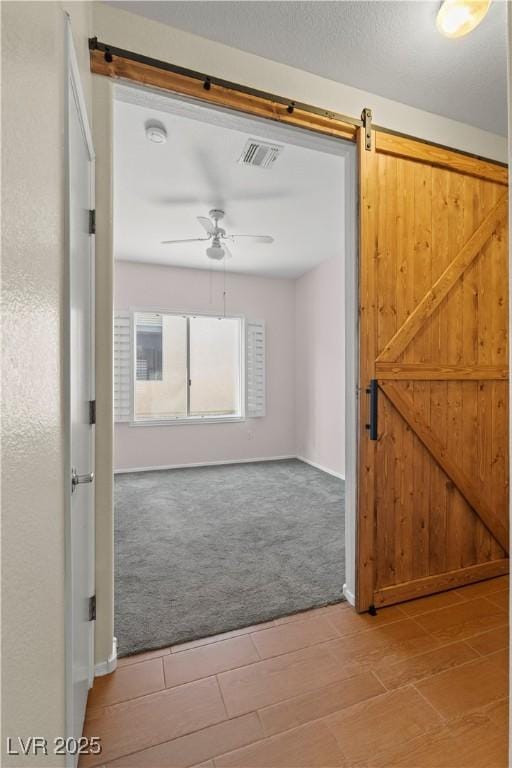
{"x":457,"y":18}
{"x":155,"y":132}
{"x":215,"y":251}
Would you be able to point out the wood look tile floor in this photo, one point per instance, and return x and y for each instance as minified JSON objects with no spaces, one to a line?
{"x":421,"y":685}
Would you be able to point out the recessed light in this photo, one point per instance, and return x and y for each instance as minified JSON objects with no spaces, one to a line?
{"x":155,"y":132}
{"x":457,"y":18}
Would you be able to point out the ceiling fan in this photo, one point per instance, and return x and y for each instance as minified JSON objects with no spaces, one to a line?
{"x":218,"y":237}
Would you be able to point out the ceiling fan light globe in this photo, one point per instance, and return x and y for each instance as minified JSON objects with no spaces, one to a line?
{"x":215,"y":252}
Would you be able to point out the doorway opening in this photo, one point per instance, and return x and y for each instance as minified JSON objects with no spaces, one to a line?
{"x":234,"y":370}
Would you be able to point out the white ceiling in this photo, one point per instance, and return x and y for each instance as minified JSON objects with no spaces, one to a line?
{"x":161,"y":189}
{"x":389,"y":48}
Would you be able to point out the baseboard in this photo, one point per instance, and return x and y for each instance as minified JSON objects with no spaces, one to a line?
{"x":348,"y":595}
{"x":108,"y":666}
{"x":204,"y":464}
{"x":320,"y":467}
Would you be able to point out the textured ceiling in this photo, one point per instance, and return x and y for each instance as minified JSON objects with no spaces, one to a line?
{"x":389,"y":48}
{"x":160,"y":189}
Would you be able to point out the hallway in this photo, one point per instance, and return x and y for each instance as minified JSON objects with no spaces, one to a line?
{"x":423,"y":684}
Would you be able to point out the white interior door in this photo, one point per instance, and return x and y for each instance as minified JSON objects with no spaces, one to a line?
{"x":80,"y":577}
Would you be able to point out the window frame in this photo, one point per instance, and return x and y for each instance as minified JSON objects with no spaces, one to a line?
{"x":183,"y":420}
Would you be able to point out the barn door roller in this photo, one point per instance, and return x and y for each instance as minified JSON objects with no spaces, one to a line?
{"x":366,"y":117}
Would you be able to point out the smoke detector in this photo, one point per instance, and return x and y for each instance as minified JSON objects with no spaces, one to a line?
{"x":155,"y":132}
{"x":260,"y":153}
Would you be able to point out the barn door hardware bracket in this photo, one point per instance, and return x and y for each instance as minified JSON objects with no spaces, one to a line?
{"x":373,"y":390}
{"x":95,"y":46}
{"x":92,"y":411}
{"x":372,"y":610}
{"x":366,"y":117}
{"x":92,"y":608}
{"x":111,"y":52}
{"x":92,"y":222}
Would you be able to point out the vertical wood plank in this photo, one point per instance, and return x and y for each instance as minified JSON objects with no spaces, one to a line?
{"x":398,"y":521}
{"x":457,"y":509}
{"x":485,"y":544}
{"x":368,"y":212}
{"x":494,"y":254}
{"x":422,"y":281}
{"x":438,"y":491}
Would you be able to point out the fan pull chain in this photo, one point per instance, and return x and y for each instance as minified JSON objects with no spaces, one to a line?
{"x":210,"y":280}
{"x":224,"y":289}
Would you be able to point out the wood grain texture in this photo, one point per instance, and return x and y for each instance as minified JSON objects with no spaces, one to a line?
{"x":409,"y":148}
{"x":373,"y":711}
{"x":493,"y":519}
{"x":421,"y":372}
{"x":457,"y":691}
{"x":145,"y":74}
{"x":366,"y":550}
{"x":140,"y":723}
{"x":434,"y":318}
{"x":438,"y":583}
{"x":444,"y":284}
{"x":311,"y":706}
{"x":424,"y":665}
{"x":381,"y":723}
{"x":194,"y":748}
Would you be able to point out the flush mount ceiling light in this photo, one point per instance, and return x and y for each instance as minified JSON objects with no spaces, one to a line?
{"x":155,"y":132}
{"x":457,"y":18}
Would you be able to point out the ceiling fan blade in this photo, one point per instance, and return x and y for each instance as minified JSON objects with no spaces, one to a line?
{"x":254,"y":238}
{"x":207,"y":224}
{"x":187,"y":240}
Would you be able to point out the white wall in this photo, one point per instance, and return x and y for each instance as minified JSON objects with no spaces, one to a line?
{"x":320,"y":366}
{"x":258,"y":298}
{"x":33,"y":427}
{"x":305,"y":366}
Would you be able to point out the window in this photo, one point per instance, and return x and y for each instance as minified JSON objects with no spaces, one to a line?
{"x":173,"y":368}
{"x":187,"y":367}
{"x":149,"y":348}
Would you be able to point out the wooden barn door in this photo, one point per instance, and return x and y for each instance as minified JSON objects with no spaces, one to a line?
{"x":433,"y":483}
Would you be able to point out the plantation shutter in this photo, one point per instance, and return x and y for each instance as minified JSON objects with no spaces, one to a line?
{"x":255,"y":368}
{"x":122,"y":366}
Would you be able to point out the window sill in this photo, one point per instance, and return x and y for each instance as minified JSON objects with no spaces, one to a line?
{"x":180,"y":422}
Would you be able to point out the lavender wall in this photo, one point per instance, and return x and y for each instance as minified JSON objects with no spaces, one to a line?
{"x":305,"y":366}
{"x":273,"y":300}
{"x":320,"y":366}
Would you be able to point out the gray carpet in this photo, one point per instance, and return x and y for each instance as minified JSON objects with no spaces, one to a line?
{"x":205,"y":550}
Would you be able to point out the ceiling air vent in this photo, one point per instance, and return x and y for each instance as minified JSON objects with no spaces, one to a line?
{"x":260,"y":154}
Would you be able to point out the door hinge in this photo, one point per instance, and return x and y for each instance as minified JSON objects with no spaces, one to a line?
{"x":92,"y":222}
{"x":366,"y":117}
{"x":92,"y":608}
{"x":92,"y":411}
